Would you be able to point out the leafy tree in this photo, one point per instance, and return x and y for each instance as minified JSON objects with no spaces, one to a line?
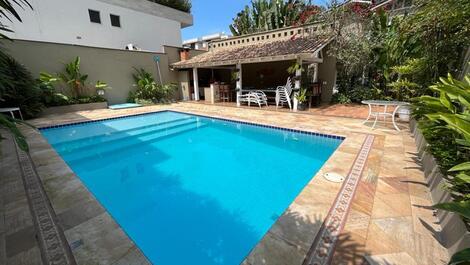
{"x":373,"y":47}
{"x":440,"y":31}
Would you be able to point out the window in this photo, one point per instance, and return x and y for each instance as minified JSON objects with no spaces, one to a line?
{"x":115,"y":20}
{"x":94,"y":16}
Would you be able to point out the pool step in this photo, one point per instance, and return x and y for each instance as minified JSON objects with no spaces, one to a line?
{"x":130,"y":144}
{"x":119,"y":136}
{"x":109,"y":135}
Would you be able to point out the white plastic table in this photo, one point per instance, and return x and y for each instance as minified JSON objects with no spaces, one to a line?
{"x":384,"y":113}
{"x":11,"y":111}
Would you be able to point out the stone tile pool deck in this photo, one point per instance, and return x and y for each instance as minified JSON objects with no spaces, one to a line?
{"x":382,"y":224}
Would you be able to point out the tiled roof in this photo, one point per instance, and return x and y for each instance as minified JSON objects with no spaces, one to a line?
{"x":285,"y":49}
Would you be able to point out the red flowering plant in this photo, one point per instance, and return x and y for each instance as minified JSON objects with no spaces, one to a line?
{"x":360,"y":9}
{"x":308,"y":14}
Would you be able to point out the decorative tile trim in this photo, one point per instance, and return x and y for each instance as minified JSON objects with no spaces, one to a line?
{"x":204,"y":116}
{"x":324,"y":244}
{"x":52,"y":241}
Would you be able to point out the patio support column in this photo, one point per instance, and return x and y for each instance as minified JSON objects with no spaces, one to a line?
{"x":315,"y":72}
{"x":239,"y":83}
{"x":298,"y":74}
{"x":196,"y":84}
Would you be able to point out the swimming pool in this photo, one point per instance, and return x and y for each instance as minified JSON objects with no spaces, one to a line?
{"x":190,"y":189}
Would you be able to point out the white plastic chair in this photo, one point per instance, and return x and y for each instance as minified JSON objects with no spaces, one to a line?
{"x":283,"y":94}
{"x":255,"y":96}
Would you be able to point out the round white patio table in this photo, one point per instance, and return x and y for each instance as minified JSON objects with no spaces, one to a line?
{"x":385,"y":104}
{"x":11,"y":111}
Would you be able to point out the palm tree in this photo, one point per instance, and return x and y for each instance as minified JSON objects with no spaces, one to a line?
{"x":7,"y":9}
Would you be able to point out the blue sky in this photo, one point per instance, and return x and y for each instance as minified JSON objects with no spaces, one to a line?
{"x":212,"y":16}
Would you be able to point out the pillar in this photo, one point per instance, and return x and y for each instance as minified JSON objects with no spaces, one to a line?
{"x":196,"y":84}
{"x":239,"y":83}
{"x":298,"y":75}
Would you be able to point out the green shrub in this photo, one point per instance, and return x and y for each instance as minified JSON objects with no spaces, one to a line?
{"x":49,"y":95}
{"x":360,"y":93}
{"x":18,"y":88}
{"x":148,"y":90}
{"x":357,"y":94}
{"x":340,"y":98}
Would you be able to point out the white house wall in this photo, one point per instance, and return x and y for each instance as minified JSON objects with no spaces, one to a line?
{"x":68,"y":21}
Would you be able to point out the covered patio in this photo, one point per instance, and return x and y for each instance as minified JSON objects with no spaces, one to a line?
{"x":260,"y":62}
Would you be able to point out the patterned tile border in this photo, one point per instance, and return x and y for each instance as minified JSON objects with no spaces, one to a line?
{"x":54,"y":247}
{"x":204,"y":116}
{"x":323,"y":247}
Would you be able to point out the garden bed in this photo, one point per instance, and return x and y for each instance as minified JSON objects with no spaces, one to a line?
{"x":75,"y":107}
{"x":454,"y":234}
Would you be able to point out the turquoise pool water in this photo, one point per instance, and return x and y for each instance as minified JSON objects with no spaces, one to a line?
{"x":124,"y":106}
{"x":189,"y":189}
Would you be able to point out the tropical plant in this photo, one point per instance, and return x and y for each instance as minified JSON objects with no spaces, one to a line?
{"x":7,"y":82}
{"x":49,"y":95}
{"x":449,"y":113}
{"x":273,"y":14}
{"x":294,"y":67}
{"x":100,"y":85}
{"x":7,"y":9}
{"x":18,"y":88}
{"x":372,"y":47}
{"x":403,"y":88}
{"x":148,"y":90}
{"x":440,"y":35}
{"x":302,"y":95}
{"x":74,"y":78}
{"x":10,"y":124}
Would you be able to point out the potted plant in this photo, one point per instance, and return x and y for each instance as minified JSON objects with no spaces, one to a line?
{"x":100,"y":87}
{"x":302,"y":99}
